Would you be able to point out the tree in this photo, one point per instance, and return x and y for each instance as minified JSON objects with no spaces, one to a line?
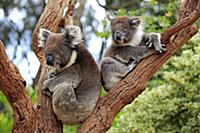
{"x":28,"y":118}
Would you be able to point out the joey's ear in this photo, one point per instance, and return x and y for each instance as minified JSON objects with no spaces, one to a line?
{"x":135,"y":22}
{"x":43,"y":36}
{"x":73,"y":35}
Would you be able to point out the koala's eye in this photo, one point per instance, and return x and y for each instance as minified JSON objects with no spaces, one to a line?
{"x":125,"y":31}
{"x":49,"y":59}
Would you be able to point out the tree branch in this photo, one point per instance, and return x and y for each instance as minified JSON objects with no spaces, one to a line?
{"x":130,"y":87}
{"x":14,"y":88}
{"x":67,"y":17}
{"x":182,"y":23}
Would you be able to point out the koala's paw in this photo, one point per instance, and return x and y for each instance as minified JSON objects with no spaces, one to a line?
{"x":132,"y":60}
{"x":149,"y":42}
{"x":160,"y":47}
{"x":133,"y":64}
{"x":53,"y":74}
{"x":46,"y":92}
{"x":154,"y":40}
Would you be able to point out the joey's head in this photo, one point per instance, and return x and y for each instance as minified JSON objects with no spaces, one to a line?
{"x":60,"y":48}
{"x":126,"y":30}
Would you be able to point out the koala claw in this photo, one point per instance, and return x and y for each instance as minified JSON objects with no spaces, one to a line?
{"x":160,"y":48}
{"x":46,"y":92}
{"x":132,"y":60}
{"x":133,"y":64}
{"x":149,"y":43}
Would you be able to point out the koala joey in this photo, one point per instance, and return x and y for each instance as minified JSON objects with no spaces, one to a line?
{"x":73,"y":78}
{"x":130,"y":44}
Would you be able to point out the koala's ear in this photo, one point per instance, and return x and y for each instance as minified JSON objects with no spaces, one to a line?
{"x":134,"y":22}
{"x":43,"y":36}
{"x":73,"y":35}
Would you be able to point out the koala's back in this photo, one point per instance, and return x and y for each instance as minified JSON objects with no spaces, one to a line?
{"x":91,"y":84}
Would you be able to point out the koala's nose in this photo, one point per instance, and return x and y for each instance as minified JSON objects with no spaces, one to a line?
{"x":49,"y":60}
{"x":118,"y":35}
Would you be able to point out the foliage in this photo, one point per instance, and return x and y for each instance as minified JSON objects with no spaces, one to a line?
{"x":171,"y":102}
{"x":69,"y":129}
{"x":106,"y":33}
{"x":5,"y":115}
{"x":32,"y":94}
{"x":5,"y":123}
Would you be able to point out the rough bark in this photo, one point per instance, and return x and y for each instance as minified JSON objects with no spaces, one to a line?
{"x":13,"y":87}
{"x":50,"y":19}
{"x":130,"y":87}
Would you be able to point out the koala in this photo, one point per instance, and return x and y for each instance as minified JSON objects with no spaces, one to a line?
{"x":130,"y":44}
{"x":74,"y":80}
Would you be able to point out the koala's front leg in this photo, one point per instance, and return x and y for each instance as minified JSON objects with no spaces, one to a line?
{"x":112,"y":71}
{"x":154,"y":40}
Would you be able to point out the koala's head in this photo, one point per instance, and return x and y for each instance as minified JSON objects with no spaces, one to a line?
{"x":60,"y":48}
{"x":124,"y":29}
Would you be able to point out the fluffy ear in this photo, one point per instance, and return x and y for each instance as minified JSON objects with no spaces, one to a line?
{"x":73,"y":35}
{"x":135,"y":22}
{"x":43,"y":36}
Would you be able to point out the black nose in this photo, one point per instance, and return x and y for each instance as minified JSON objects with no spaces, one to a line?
{"x":117,"y":35}
{"x":49,"y":60}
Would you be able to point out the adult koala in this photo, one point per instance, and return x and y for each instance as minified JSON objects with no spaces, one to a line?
{"x":74,"y":79}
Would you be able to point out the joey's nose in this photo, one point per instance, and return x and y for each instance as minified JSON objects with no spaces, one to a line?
{"x":49,"y":60}
{"x":118,"y":35}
